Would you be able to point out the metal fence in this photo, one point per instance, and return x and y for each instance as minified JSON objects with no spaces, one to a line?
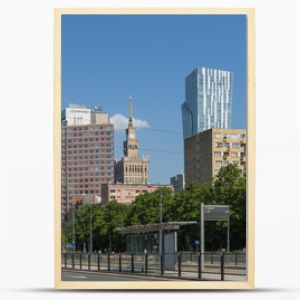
{"x":185,"y":265}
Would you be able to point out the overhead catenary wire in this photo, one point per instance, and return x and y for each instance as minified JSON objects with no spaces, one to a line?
{"x":156,"y":150}
{"x":160,"y":130}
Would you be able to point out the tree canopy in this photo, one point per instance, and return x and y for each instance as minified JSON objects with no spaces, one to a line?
{"x":228,"y":188}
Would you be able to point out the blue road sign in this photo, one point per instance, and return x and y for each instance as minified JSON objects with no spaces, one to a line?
{"x":70,"y":246}
{"x":197,"y":242}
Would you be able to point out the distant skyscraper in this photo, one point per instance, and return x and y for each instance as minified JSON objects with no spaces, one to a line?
{"x":208,"y":101}
{"x":131,"y":169}
{"x":177,"y":182}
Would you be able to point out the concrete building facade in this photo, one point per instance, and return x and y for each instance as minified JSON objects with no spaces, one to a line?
{"x":131,"y":169}
{"x":126,"y":193}
{"x":206,"y":152}
{"x":87,"y":153}
{"x":208,"y":101}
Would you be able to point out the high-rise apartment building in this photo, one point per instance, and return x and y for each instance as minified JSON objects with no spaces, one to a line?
{"x":206,"y":152}
{"x":208,"y":101}
{"x":131,"y":169}
{"x":87,"y":153}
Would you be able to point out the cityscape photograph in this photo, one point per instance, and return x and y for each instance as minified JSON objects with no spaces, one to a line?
{"x":153,"y":147}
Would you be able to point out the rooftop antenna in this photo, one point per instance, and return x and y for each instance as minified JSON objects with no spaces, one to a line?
{"x":130,"y":112}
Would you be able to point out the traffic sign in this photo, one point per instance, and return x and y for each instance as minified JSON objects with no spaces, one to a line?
{"x":70,"y":246}
{"x":216,"y":212}
{"x":197,"y":242}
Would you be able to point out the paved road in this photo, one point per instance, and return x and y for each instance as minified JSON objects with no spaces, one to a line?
{"x":89,"y":276}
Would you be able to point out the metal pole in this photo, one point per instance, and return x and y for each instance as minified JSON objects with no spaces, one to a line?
{"x":132,"y":262}
{"x":160,"y":222}
{"x":228,"y":234}
{"x":199,"y":266}
{"x":120,"y":262}
{"x":74,"y":233}
{"x":146,"y":263}
{"x":202,"y":247}
{"x":98,"y":261}
{"x":222,"y":266}
{"x":91,"y":231}
{"x":179,"y":265}
{"x":89,"y":261}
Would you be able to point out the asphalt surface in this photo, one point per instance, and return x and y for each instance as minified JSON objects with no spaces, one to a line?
{"x":89,"y":276}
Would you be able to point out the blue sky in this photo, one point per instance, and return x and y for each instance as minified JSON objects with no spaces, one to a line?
{"x":107,"y":58}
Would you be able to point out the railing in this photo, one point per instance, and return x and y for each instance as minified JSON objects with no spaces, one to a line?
{"x":184,"y":265}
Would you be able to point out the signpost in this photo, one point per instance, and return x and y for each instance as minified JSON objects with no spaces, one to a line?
{"x":213,"y":213}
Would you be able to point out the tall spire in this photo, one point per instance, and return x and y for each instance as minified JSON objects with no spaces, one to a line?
{"x":130,"y":112}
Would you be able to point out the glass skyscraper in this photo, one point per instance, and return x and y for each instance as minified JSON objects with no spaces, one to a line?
{"x":208,"y":101}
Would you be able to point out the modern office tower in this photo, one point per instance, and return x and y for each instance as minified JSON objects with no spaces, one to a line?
{"x":177,"y":182}
{"x":208,"y":101}
{"x":206,"y":152}
{"x":87,"y":153}
{"x":131,"y":169}
{"x":126,"y":193}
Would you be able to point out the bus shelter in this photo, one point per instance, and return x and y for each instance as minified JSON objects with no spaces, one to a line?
{"x":154,"y":238}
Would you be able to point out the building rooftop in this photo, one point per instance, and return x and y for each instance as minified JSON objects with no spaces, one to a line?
{"x":155,"y":227}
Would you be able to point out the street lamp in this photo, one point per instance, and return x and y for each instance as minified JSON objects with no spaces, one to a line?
{"x":161,"y":237}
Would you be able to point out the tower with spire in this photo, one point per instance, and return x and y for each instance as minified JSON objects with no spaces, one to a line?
{"x":131,"y":169}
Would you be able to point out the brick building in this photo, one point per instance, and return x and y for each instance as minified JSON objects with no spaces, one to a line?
{"x":87,"y":153}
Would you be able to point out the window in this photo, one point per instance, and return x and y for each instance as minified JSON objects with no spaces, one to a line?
{"x":234,"y":154}
{"x":219,"y":145}
{"x":217,"y":153}
{"x":219,"y":163}
{"x":235,"y":136}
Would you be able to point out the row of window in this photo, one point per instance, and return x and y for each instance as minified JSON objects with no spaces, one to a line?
{"x":88,"y":163}
{"x":229,"y":145}
{"x":137,"y":169}
{"x":82,"y":186}
{"x":90,"y":174}
{"x":85,"y":157}
{"x":233,"y":154}
{"x":80,"y":192}
{"x":91,"y":151}
{"x":91,"y":169}
{"x":89,"y":128}
{"x":229,"y":136}
{"x":108,"y":145}
{"x":70,"y":140}
{"x":94,"y":157}
{"x":128,"y":191}
{"x":90,"y":179}
{"x":221,"y":163}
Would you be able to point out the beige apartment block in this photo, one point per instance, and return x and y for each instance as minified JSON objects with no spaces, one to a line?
{"x":206,"y":152}
{"x":126,"y":193}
